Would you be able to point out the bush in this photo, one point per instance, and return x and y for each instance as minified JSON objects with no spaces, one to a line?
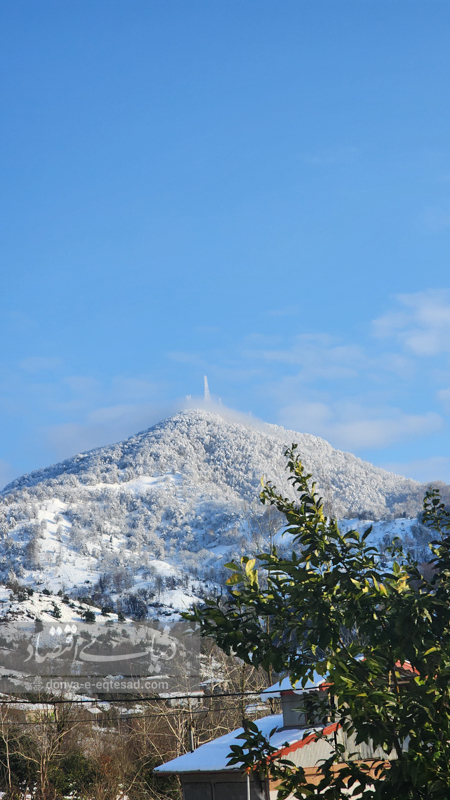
{"x":73,"y":775}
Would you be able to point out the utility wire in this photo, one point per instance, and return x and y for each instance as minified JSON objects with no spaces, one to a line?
{"x":126,"y":718}
{"x":156,"y":699}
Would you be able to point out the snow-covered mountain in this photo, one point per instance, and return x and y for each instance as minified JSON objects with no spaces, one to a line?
{"x":149,"y":522}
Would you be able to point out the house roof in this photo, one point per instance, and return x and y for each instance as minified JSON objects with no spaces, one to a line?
{"x":213,"y":756}
{"x":285,"y":685}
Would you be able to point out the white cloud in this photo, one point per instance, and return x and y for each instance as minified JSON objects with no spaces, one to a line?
{"x":99,"y":413}
{"x":352,"y":426}
{"x":289,"y":311}
{"x":103,"y":426}
{"x":40,"y":364}
{"x":132,"y":389}
{"x":253,"y":340}
{"x":401,"y":366}
{"x":443,"y":396}
{"x":421,"y":325}
{"x":183,"y":357}
{"x":425,"y":470}
{"x":230,"y":414}
{"x":319,"y":356}
{"x":333,"y":156}
{"x":347,"y":391}
{"x":7,"y":473}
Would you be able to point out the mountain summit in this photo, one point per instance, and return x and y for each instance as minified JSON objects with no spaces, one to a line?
{"x":169,"y":505}
{"x":209,"y":450}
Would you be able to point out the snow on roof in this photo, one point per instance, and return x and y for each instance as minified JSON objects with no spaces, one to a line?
{"x":213,"y":756}
{"x":285,"y":685}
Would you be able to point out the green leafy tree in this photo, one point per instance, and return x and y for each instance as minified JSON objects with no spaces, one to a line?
{"x":380,"y":636}
{"x":72,"y":774}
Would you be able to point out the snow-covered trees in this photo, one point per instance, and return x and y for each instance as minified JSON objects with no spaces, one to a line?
{"x":184,"y":492}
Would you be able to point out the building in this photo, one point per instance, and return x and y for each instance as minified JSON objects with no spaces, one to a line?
{"x":205,"y":774}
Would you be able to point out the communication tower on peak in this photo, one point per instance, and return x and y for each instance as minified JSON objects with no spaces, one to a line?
{"x":207,"y":396}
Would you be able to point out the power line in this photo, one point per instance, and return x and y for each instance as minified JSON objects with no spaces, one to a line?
{"x":158,"y":698}
{"x":126,"y":718}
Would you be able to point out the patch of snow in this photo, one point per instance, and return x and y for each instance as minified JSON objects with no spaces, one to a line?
{"x":213,"y":756}
{"x":156,"y":517}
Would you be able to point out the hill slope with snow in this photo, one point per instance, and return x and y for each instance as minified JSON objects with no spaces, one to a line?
{"x":147,"y":522}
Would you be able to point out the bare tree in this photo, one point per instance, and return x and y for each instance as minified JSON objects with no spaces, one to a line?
{"x":52,"y":724}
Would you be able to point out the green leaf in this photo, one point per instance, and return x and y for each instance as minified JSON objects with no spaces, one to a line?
{"x":381,"y":639}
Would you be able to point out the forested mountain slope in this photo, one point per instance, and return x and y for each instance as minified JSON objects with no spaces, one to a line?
{"x":150,"y":521}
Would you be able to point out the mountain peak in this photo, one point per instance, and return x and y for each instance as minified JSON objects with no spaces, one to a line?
{"x":159,"y":513}
{"x":224,"y":447}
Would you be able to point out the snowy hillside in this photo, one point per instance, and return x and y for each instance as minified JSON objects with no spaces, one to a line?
{"x":148,"y":523}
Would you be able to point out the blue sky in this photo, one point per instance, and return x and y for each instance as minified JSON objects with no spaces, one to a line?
{"x":257,"y":191}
